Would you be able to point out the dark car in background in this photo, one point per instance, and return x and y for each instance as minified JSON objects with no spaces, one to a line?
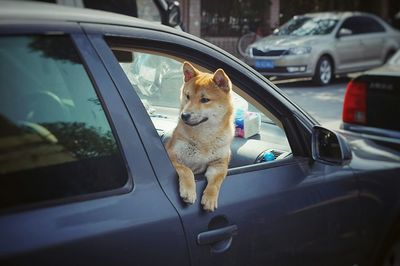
{"x":322,"y":45}
{"x":372,"y":102}
{"x":87,"y":99}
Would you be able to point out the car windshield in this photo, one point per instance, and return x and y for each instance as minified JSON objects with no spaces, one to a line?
{"x":304,"y":26}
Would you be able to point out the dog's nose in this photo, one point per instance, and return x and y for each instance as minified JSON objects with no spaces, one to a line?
{"x":185,"y":116}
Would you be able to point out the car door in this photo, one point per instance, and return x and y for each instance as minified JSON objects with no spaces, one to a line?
{"x":379,"y":198}
{"x":348,"y":51}
{"x":291,"y":211}
{"x":373,"y":41}
{"x":76,"y":185}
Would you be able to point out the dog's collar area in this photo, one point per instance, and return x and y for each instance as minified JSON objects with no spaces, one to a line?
{"x":195,"y":124}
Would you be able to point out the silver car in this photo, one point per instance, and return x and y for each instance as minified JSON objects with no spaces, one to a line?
{"x":321,"y":45}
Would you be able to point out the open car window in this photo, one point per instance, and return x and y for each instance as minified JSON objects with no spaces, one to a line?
{"x":157,"y":78}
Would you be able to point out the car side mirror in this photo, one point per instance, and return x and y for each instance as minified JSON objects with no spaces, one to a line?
{"x":343,"y":32}
{"x":329,"y":147}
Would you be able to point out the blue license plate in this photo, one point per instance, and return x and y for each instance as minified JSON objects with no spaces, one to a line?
{"x":264,"y":64}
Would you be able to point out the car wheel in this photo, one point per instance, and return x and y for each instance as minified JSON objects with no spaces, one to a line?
{"x":324,"y":71}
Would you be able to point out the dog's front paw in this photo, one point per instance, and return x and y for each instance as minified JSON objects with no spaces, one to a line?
{"x":188,"y":194}
{"x":187,"y":185}
{"x":210,"y":203}
{"x":210,"y":199}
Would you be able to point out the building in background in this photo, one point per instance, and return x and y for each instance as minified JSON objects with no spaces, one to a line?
{"x":223,"y":22}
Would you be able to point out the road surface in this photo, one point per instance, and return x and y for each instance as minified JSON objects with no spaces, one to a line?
{"x":323,"y":103}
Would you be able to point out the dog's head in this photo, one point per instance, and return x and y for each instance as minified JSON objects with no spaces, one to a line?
{"x":205,"y":98}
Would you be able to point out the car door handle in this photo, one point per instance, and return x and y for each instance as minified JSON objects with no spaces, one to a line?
{"x":216,"y":235}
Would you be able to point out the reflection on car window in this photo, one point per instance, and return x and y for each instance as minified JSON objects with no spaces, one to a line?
{"x":54,"y":135}
{"x":304,"y":26}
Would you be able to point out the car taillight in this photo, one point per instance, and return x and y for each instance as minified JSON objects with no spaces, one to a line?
{"x":355,"y":103}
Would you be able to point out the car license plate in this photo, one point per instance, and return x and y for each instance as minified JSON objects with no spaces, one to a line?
{"x":264,"y":64}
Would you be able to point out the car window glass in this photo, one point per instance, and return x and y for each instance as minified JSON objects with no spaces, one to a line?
{"x":157,"y":79}
{"x":55,"y":140}
{"x":362,"y":25}
{"x":371,"y":25}
{"x":354,"y":24}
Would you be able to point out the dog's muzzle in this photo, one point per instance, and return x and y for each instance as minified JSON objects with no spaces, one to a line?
{"x":186,"y":119}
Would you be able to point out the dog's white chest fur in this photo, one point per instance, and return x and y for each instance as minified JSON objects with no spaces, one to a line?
{"x":197,"y":155}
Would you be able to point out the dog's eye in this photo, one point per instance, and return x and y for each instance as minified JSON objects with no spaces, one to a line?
{"x":204,"y":100}
{"x":187,"y":96}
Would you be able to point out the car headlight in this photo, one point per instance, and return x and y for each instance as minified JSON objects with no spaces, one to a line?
{"x":299,"y":50}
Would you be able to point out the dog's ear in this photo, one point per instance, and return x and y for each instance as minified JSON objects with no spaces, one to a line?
{"x":222,"y":80}
{"x":189,"y":71}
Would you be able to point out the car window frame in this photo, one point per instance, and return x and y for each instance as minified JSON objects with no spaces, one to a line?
{"x":116,"y":115}
{"x":297,"y":126}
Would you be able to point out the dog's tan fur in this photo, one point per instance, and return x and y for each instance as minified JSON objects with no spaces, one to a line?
{"x":201,"y":143}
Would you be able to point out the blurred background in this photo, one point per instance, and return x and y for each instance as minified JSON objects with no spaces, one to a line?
{"x":223,"y":22}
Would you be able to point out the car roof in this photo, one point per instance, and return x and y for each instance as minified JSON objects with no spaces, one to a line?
{"x":29,"y":10}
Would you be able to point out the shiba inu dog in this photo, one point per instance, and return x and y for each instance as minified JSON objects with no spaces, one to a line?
{"x":202,"y":138}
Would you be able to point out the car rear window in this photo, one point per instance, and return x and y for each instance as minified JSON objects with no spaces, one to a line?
{"x":55,"y":139}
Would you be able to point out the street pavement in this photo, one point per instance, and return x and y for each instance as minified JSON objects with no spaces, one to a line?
{"x":324,"y":103}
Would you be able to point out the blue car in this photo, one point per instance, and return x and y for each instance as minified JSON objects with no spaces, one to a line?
{"x":87,"y":100}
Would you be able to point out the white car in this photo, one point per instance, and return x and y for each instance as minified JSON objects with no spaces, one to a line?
{"x":321,"y":45}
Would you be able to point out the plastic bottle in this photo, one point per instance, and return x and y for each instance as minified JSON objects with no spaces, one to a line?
{"x":241,"y":106}
{"x":268,"y":156}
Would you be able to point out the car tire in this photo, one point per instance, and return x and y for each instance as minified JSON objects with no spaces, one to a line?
{"x":323,"y":74}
